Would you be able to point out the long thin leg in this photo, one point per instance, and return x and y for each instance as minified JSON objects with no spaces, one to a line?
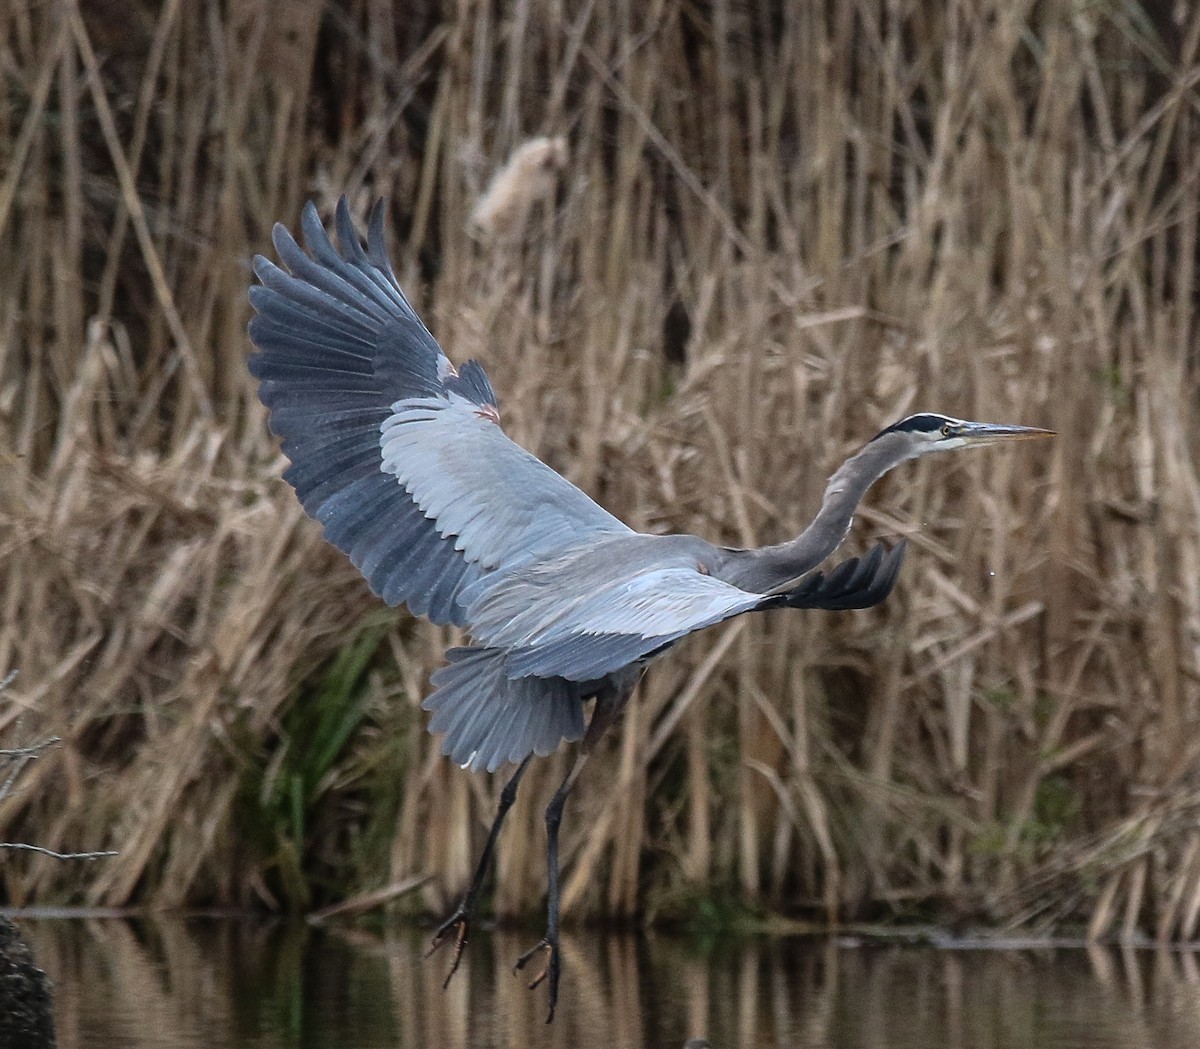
{"x":610,"y":701}
{"x":549,"y":942}
{"x":460,"y":920}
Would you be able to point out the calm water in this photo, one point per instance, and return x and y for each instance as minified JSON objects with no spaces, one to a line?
{"x":219,"y":984}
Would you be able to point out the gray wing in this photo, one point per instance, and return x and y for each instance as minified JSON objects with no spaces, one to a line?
{"x":342,"y":356}
{"x":501,"y":504}
{"x":555,"y":622}
{"x":581,"y":616}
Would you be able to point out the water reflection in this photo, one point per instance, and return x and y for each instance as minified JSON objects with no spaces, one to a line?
{"x":223,"y":984}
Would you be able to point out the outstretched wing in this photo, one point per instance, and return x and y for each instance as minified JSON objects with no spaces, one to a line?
{"x":345,"y":365}
{"x":558,"y":619}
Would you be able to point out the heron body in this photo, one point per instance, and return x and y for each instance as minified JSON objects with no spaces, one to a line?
{"x":401,"y":457}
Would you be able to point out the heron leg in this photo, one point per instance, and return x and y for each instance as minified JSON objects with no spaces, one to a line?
{"x":460,"y":921}
{"x":610,"y":702}
{"x":549,"y":942}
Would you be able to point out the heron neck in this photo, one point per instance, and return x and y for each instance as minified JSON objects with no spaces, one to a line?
{"x":772,"y":567}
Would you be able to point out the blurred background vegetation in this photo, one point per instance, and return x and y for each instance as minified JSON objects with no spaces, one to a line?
{"x":769,"y":229}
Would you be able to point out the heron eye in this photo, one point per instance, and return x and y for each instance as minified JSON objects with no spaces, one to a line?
{"x":947,"y":429}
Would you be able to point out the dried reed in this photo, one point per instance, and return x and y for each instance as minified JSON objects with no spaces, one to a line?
{"x":776,"y":227}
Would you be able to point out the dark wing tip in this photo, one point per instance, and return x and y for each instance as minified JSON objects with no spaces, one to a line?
{"x":257,"y":265}
{"x":377,"y":215}
{"x":377,"y":237}
{"x":855,"y":583}
{"x":313,"y":228}
{"x":283,"y":240}
{"x":348,"y":239}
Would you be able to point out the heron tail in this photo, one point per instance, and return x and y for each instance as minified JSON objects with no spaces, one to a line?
{"x":489,"y":718}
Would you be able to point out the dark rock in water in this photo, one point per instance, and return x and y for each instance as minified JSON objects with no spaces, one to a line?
{"x":26,"y":1018}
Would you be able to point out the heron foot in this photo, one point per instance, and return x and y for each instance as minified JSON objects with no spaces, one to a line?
{"x":550,"y":971}
{"x":459,"y":923}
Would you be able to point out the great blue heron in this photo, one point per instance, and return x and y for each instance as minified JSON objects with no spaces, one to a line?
{"x":401,"y":458}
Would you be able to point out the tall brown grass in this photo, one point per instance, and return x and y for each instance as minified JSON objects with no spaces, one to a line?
{"x":777,"y":227}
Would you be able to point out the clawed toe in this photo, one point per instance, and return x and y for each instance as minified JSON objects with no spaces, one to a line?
{"x":527,"y":957}
{"x":461,"y":923}
{"x":548,"y":971}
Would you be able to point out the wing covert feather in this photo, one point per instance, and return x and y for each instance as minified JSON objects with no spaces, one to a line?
{"x":557,"y":618}
{"x":502,"y":503}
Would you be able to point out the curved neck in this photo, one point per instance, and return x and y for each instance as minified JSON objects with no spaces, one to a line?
{"x":773,"y":567}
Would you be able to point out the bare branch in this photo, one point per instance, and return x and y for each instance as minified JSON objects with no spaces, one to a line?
{"x":19,"y":758}
{"x":31,"y":751}
{"x":57,"y":855}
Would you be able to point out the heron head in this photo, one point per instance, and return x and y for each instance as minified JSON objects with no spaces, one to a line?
{"x":929,"y":432}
